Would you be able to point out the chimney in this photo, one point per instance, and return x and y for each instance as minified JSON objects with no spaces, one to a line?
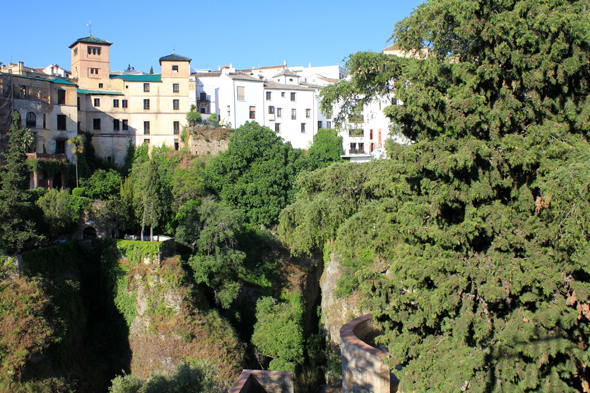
{"x":218,"y":68}
{"x":285,"y":62}
{"x":309,"y":64}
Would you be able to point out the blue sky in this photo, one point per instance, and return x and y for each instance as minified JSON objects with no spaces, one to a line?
{"x":212,"y":33}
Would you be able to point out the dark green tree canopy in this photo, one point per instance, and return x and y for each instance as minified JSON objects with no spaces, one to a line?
{"x":257,"y":173}
{"x":326,"y":149}
{"x":471,"y":244}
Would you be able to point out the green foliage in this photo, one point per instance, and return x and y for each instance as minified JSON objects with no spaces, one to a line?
{"x":129,"y":156}
{"x":210,"y":229}
{"x":278,"y":331}
{"x":127,"y":219}
{"x":188,"y":184}
{"x":481,"y":223}
{"x":198,"y":377}
{"x":326,"y":149}
{"x":61,"y":211}
{"x":257,"y":173}
{"x":79,"y":192}
{"x":193,"y":118}
{"x":102,"y":184}
{"x":16,"y":227}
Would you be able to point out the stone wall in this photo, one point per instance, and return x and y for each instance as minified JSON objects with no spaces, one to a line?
{"x":262,"y":381}
{"x":363,"y":369}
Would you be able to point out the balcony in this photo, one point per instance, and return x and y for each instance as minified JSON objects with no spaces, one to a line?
{"x":357,"y":151}
{"x":46,"y":156}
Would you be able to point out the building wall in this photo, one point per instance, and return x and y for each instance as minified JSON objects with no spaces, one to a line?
{"x":43,"y":100}
{"x":290,"y":130}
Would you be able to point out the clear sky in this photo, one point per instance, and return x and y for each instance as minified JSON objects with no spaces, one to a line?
{"x":212,"y":33}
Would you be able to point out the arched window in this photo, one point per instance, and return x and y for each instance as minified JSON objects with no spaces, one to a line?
{"x":31,"y":120}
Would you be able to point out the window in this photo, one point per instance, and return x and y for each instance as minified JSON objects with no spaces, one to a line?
{"x":292,"y":96}
{"x":372,"y":147}
{"x":146,"y":141}
{"x":203,"y":96}
{"x":146,"y":128}
{"x":361,"y":148}
{"x":125,"y":124}
{"x":252,"y":112}
{"x":174,"y":68}
{"x":97,"y":102}
{"x":371,"y":135}
{"x":277,"y":127}
{"x":146,"y":104}
{"x":31,"y":120}
{"x":94,"y":50}
{"x":175,"y":104}
{"x":61,"y":122}
{"x":115,"y":103}
{"x":75,"y":51}
{"x":175,"y":87}
{"x":93,"y":71}
{"x":268,"y":95}
{"x":146,"y":87}
{"x":308,"y":113}
{"x":329,"y":125}
{"x":293,"y":114}
{"x":116,"y":124}
{"x":96,"y":124}
{"x":271,"y":110}
{"x":303,"y":128}
{"x":61,"y":97}
{"x":352,"y":148}
{"x":241,"y":93}
{"x":44,"y":121}
{"x":202,"y":110}
{"x":319,"y":125}
{"x":282,"y":93}
{"x":77,"y":103}
{"x":78,"y":128}
{"x":279,"y":112}
{"x":60,"y":146}
{"x":356,"y":132}
{"x":124,"y":103}
{"x":100,"y":85}
{"x":176,"y":125}
{"x":176,"y":145}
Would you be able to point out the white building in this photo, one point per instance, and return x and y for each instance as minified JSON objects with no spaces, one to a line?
{"x":282,"y":102}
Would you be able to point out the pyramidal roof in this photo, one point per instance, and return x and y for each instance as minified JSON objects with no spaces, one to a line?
{"x":174,"y":57}
{"x":92,"y":40}
{"x":287,"y":72}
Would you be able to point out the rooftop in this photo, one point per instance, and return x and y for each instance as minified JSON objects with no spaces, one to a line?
{"x":174,"y":57}
{"x":92,"y":40}
{"x":139,"y":78}
{"x":287,"y":72}
{"x":282,"y":86}
{"x":100,"y":92}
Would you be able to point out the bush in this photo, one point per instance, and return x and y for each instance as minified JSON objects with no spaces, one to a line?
{"x":79,"y":191}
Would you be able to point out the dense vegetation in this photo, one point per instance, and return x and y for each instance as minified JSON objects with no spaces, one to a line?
{"x":74,"y":318}
{"x":470,"y":245}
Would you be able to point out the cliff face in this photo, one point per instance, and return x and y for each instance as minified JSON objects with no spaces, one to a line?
{"x":168,"y":328}
{"x":83,"y":311}
{"x":336,"y":311}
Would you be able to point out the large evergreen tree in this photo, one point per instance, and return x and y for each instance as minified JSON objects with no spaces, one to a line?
{"x":471,"y":244}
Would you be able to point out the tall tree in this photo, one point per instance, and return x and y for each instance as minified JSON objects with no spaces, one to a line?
{"x":150,"y":199}
{"x":257,"y":173}
{"x":16,"y":227}
{"x":481,"y":225}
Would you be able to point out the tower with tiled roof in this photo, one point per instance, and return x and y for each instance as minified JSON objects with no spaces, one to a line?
{"x":90,"y":61}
